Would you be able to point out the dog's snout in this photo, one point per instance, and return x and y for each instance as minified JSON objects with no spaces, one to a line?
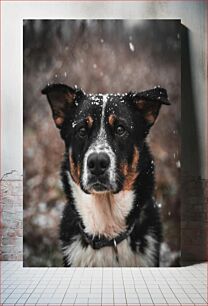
{"x":98,"y":163}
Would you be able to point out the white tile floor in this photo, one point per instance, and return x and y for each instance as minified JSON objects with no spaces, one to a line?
{"x":97,"y":286}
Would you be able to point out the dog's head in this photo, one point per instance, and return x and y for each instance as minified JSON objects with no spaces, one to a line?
{"x":104,"y":133}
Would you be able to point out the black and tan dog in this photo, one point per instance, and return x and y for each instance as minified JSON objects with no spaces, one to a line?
{"x":111,"y":218}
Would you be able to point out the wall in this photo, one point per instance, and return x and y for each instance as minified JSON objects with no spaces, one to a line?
{"x":194,"y":109}
{"x":11,"y":220}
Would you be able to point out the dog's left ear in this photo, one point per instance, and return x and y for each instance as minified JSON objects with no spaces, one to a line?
{"x":61,"y":98}
{"x":149,"y":102}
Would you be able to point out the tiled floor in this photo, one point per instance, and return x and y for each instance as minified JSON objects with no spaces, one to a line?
{"x":96,"y":286}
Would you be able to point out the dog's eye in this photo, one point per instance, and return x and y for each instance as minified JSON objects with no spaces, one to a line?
{"x":82,"y":131}
{"x":120,"y":130}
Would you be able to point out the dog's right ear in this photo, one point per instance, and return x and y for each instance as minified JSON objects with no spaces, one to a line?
{"x":149,"y":102}
{"x":61,"y":98}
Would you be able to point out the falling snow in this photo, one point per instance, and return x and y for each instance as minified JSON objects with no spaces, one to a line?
{"x":178,"y":164}
{"x":74,"y":124}
{"x":131,"y":46}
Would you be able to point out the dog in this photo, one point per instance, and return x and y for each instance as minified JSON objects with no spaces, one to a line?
{"x":111,"y":218}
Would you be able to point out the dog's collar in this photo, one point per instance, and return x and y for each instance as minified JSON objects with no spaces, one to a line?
{"x":98,"y":242}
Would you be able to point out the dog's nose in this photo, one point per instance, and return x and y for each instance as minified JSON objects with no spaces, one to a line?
{"x":98,"y":163}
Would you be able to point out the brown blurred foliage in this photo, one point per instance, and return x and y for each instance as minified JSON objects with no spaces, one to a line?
{"x":99,"y":56}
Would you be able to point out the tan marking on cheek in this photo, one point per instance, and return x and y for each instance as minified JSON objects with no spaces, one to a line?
{"x":78,"y":172}
{"x":132,"y":171}
{"x":124,"y":169}
{"x":111,"y":119}
{"x":74,"y":170}
{"x":89,"y":121}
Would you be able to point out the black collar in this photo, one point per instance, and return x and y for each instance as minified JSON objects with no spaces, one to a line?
{"x":98,"y":242}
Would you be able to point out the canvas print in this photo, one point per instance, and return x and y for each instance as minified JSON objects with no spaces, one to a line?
{"x":102,"y":143}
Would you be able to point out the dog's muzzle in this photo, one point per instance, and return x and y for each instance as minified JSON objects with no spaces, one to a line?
{"x":98,"y":163}
{"x":97,"y":166}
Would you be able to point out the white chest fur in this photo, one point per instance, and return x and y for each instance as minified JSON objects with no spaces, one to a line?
{"x":102,"y":214}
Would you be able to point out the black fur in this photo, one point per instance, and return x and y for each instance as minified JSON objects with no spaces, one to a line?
{"x":137,"y":113}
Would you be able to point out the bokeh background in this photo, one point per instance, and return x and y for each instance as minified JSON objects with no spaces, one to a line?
{"x":99,"y":56}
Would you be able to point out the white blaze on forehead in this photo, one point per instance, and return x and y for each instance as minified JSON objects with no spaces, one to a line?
{"x":101,"y":145}
{"x":102,"y":124}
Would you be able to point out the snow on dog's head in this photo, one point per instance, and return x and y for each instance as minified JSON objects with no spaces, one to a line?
{"x":104,"y":134}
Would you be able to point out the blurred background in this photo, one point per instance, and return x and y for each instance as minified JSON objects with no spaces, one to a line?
{"x":99,"y":56}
